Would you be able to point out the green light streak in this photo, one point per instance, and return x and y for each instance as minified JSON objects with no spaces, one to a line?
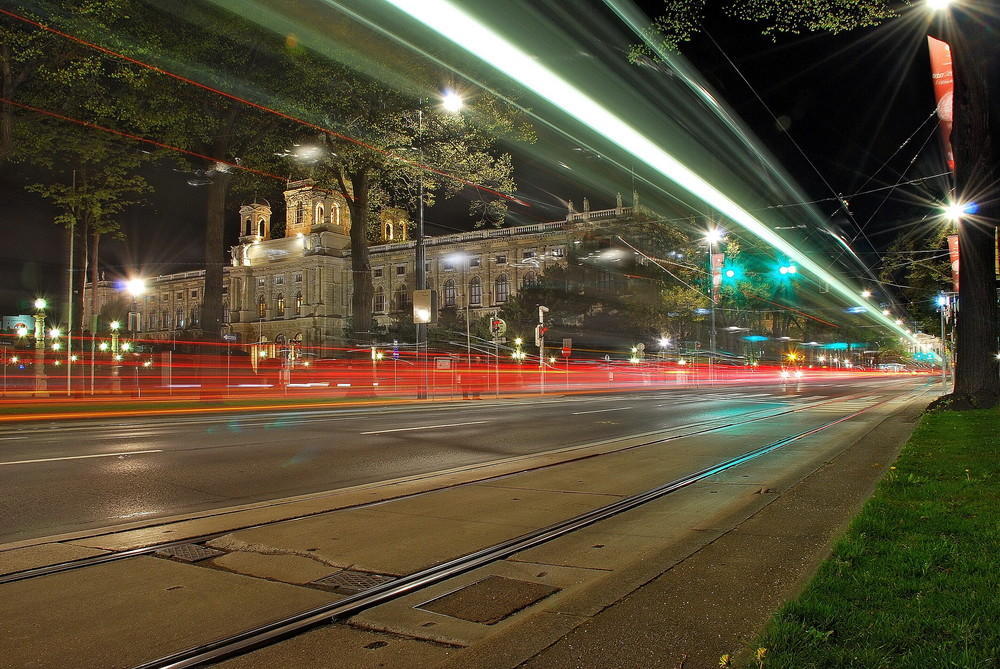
{"x":452,"y":23}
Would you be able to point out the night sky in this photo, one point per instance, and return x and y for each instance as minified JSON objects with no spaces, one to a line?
{"x":849,"y":103}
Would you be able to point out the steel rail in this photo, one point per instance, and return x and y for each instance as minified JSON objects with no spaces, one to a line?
{"x":280,"y":629}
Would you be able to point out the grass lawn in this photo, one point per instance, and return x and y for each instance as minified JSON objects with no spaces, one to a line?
{"x":915,"y":582}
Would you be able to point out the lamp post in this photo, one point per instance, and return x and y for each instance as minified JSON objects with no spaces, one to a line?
{"x":452,"y":102}
{"x":713,"y":237}
{"x":116,"y":381}
{"x":41,"y":380}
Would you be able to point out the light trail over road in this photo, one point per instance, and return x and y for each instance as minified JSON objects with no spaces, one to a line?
{"x":83,"y":475}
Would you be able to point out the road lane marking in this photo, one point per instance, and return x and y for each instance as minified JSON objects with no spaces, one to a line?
{"x":577,"y":413}
{"x":425,"y":427}
{"x":79,"y":457}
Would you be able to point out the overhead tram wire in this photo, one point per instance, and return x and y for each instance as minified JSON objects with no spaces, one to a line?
{"x":809,"y":161}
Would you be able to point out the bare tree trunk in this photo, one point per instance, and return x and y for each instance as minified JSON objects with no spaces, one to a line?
{"x":215,"y":252}
{"x":976,"y":140}
{"x":361,"y":270}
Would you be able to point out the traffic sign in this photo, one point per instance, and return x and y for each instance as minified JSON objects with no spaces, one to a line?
{"x":566,"y":352}
{"x":395,"y":349}
{"x":229,"y":337}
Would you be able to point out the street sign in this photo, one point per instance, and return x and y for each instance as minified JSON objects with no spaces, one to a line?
{"x":229,"y":337}
{"x":566,"y":352}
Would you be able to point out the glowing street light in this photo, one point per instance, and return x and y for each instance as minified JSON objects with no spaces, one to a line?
{"x":452,"y":101}
{"x":938,"y":5}
{"x":866,"y":293}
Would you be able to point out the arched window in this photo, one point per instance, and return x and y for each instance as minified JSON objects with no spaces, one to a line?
{"x":298,"y":303}
{"x":335,"y":214}
{"x":530,"y":279}
{"x":248,"y":227}
{"x":279,"y":305}
{"x":449,"y":293}
{"x":260,"y":227}
{"x":165,"y":319}
{"x":379,"y":300}
{"x":475,"y":291}
{"x":180,"y":317}
{"x":501,"y":289}
{"x":225,"y":311}
{"x":319,"y":214}
{"x":261,"y":307}
{"x":388,"y":231}
{"x":401,"y":298}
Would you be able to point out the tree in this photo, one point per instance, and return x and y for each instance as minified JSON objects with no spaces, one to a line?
{"x":390,"y":149}
{"x":971,"y":29}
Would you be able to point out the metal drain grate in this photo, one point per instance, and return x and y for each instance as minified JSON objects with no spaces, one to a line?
{"x":189,"y":552}
{"x":348,"y":582}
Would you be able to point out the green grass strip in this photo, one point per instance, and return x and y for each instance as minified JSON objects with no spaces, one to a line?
{"x":915,"y":582}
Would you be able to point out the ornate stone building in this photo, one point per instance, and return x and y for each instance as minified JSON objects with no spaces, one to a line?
{"x":298,"y":288}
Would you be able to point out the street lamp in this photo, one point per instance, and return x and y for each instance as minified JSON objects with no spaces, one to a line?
{"x":116,"y":382}
{"x":452,"y":102}
{"x":41,"y":383}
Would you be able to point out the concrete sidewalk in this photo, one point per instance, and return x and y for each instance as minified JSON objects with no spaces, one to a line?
{"x":676,"y":582}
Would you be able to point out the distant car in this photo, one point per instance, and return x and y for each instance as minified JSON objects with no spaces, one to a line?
{"x":789,"y":374}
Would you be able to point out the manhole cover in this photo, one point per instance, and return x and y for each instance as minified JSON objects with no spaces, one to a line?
{"x":490,"y":600}
{"x":348,"y":582}
{"x":189,"y":552}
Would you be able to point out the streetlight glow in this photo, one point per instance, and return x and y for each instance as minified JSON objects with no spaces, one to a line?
{"x":115,"y":325}
{"x":938,"y":5}
{"x":40,"y":303}
{"x":715,"y":235}
{"x":452,"y":101}
{"x":135,"y":287}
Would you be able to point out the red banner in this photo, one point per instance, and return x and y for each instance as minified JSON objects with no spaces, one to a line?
{"x":718,"y":260}
{"x":944,"y":85}
{"x":953,"y":254}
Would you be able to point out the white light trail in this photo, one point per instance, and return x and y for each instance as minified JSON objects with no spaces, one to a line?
{"x":465,"y":31}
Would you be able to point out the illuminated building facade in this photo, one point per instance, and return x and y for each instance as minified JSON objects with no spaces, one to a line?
{"x":297,"y":288}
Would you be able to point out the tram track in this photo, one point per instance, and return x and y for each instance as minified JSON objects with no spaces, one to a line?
{"x":352,"y":605}
{"x":272,"y":632}
{"x":650,"y":438}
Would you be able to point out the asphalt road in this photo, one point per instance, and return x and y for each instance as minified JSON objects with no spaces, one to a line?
{"x":72,"y":476}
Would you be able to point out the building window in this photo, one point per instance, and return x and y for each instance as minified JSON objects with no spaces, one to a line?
{"x":377,"y":272}
{"x":180,"y":294}
{"x":400,"y":270}
{"x":298,"y":277}
{"x":165,"y":319}
{"x":502,"y":259}
{"x":475,"y":291}
{"x":475,"y":261}
{"x":319,"y":214}
{"x":195,"y":315}
{"x":194,"y":293}
{"x":300,"y":214}
{"x":261,"y":281}
{"x":388,"y":231}
{"x":261,"y":307}
{"x":225,"y":312}
{"x":402,"y":298}
{"x":530,"y":279}
{"x":605,"y":282}
{"x":530,"y":253}
{"x":448,"y":263}
{"x":298,"y":303}
{"x":379,"y":300}
{"x":502,"y":289}
{"x":336,"y":214}
{"x":279,"y":281}
{"x":248,"y":227}
{"x":260,"y":228}
{"x":559,"y":252}
{"x":449,"y":293}
{"x":279,"y":306}
{"x":180,"y":317}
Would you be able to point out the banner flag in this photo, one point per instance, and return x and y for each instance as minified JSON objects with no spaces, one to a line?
{"x":944,"y":84}
{"x":718,"y":260}
{"x":953,"y":254}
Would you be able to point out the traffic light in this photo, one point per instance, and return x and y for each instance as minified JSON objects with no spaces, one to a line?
{"x":540,"y":331}
{"x":787,"y":269}
{"x":731,"y":273}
